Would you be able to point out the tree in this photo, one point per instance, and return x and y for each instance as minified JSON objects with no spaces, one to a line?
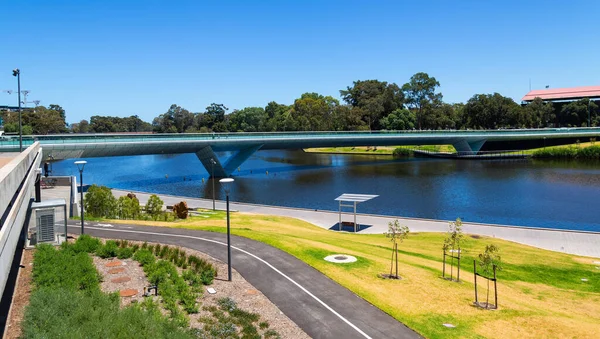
{"x":575,"y":114}
{"x":154,"y":206}
{"x":396,"y":233}
{"x":420,"y":94}
{"x":400,"y":119}
{"x":128,"y":207}
{"x":489,"y":259}
{"x":60,"y":110}
{"x":538,"y":114}
{"x":99,"y":202}
{"x":375,"y":98}
{"x":312,"y":112}
{"x":216,"y":112}
{"x":491,"y":111}
{"x":249,"y":119}
{"x":452,"y":243}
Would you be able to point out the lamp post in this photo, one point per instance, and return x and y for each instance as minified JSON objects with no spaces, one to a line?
{"x":589,"y":113}
{"x":226,"y":182}
{"x":212,"y":177}
{"x":80,"y":165}
{"x":17,"y":73}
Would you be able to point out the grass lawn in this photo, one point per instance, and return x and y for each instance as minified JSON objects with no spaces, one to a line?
{"x":381,"y":150}
{"x":541,"y":293}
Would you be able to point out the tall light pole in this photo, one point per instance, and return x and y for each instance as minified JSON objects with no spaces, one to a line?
{"x":589,"y":113}
{"x":226,"y":182}
{"x":17,"y":73}
{"x":212,"y":177}
{"x":80,"y":165}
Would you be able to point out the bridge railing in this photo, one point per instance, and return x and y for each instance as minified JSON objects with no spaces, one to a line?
{"x":12,"y":141}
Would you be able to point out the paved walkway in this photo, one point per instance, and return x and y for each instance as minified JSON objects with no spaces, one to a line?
{"x":573,"y":242}
{"x":320,"y":306}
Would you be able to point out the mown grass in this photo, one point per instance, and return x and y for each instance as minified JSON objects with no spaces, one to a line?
{"x":541,"y":293}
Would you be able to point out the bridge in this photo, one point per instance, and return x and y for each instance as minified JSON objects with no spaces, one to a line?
{"x":243,"y":145}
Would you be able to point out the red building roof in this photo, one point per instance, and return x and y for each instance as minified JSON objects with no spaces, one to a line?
{"x":564,"y":93}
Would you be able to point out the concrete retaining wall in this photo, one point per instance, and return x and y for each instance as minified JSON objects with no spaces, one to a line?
{"x":17,"y":180}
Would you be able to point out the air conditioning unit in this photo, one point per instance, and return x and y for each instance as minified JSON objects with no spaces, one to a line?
{"x":45,"y":225}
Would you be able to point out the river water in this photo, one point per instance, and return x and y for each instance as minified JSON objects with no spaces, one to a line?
{"x":536,"y":193}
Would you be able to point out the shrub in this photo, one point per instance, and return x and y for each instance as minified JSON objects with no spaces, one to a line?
{"x":99,"y":202}
{"x":124,"y":252}
{"x":86,"y":243}
{"x":135,"y":248}
{"x":227,"y":304}
{"x":144,"y":257}
{"x":108,"y":250}
{"x":263,"y":325}
{"x":401,"y":152}
{"x":271,"y":334}
{"x":64,"y":269}
{"x":207,"y":276}
{"x":64,"y":313}
{"x":128,"y":207}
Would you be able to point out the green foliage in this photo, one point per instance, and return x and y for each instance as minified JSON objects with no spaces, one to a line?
{"x":590,"y":152}
{"x":86,"y":243}
{"x":402,"y":152}
{"x":490,"y":258}
{"x":124,"y":252}
{"x":66,"y":313}
{"x":376,"y":100}
{"x":64,"y":268}
{"x":144,"y":257}
{"x":454,"y":236}
{"x":128,"y":208}
{"x":420,"y":95}
{"x":108,"y":250}
{"x":397,"y":232}
{"x":227,"y":304}
{"x":154,"y":206}
{"x":99,"y":202}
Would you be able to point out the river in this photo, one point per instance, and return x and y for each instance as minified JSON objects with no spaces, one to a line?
{"x":536,"y":193}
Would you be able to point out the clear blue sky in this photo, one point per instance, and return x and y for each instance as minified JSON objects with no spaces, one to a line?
{"x":109,"y":58}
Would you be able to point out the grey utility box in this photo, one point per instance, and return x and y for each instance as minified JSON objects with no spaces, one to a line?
{"x":47,"y":222}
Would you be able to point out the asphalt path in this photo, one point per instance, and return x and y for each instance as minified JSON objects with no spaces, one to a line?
{"x":319,"y":305}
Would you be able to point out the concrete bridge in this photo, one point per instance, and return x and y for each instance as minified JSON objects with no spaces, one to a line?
{"x":243,"y":145}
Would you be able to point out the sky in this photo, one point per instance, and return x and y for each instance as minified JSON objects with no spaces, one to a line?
{"x":123,"y":58}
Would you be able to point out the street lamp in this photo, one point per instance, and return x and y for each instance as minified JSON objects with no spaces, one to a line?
{"x":17,"y":73}
{"x":226,"y":182}
{"x":80,"y":165}
{"x":212,"y":177}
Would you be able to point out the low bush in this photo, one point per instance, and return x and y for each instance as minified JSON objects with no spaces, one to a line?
{"x":66,"y":313}
{"x":64,"y":269}
{"x":86,"y":243}
{"x":124,"y":252}
{"x":401,"y":152}
{"x":108,"y":250}
{"x":144,"y":257}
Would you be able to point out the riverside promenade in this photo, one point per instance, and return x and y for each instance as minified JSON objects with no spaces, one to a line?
{"x":572,"y":242}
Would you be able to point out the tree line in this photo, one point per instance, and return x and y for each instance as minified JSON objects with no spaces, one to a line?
{"x":366,"y":105}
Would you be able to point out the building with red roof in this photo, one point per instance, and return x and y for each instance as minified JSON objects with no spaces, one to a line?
{"x":563,"y":94}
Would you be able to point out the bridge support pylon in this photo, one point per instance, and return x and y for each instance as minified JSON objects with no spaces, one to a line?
{"x":464,"y":146}
{"x":213,"y":165}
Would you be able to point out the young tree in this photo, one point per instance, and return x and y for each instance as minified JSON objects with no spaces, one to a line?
{"x":154,"y":206}
{"x":128,"y":207}
{"x":453,"y":241}
{"x":99,"y":202}
{"x":396,"y":233}
{"x":487,"y":260}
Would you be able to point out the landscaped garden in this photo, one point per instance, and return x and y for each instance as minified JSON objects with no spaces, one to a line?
{"x":540,"y":293}
{"x":68,"y":301}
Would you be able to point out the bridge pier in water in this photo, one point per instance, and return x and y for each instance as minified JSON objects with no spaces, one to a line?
{"x":464,"y":146}
{"x":215,"y":168}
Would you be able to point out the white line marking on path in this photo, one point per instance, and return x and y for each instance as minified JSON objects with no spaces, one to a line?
{"x":254,"y":256}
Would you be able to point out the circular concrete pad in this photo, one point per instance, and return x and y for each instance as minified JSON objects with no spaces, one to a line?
{"x":340,"y":258}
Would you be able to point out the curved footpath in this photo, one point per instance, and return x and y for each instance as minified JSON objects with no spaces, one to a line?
{"x":319,"y":305}
{"x":566,"y":241}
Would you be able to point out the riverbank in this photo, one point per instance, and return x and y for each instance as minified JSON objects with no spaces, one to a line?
{"x":565,"y":241}
{"x":379,"y":150}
